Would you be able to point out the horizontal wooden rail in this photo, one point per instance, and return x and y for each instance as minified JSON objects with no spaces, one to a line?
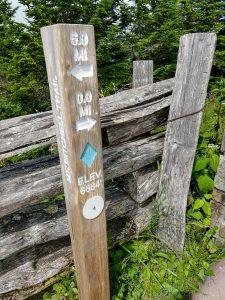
{"x":35,"y":245}
{"x":24,"y":133}
{"x":48,"y":222}
{"x":31,"y":181}
{"x":141,"y":184}
{"x":135,"y":97}
{"x":147,"y":118}
{"x":34,"y":238}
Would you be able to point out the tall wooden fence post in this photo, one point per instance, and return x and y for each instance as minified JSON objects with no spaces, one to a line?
{"x":147,"y":176}
{"x":191,"y":81}
{"x":72,"y":74}
{"x":142,"y":73}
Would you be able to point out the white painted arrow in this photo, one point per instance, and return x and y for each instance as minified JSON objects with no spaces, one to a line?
{"x":86,"y":123}
{"x":81,"y":71}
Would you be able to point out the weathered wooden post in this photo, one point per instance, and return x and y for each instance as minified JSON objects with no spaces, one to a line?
{"x":146,"y":177}
{"x":218,"y":200}
{"x":72,"y":74}
{"x":142,"y":72}
{"x":190,"y":90}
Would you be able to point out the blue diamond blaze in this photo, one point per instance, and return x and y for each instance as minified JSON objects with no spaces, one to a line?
{"x":88,"y":155}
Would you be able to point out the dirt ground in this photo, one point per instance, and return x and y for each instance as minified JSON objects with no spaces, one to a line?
{"x":213,"y":287}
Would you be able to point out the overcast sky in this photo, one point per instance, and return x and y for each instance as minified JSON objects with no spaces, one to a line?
{"x":20,"y":15}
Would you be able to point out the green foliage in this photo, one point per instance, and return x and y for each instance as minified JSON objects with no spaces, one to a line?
{"x":141,"y":270}
{"x":202,"y":183}
{"x":149,"y":29}
{"x":66,"y":288}
{"x":31,"y":154}
{"x":204,"y":171}
{"x":148,"y":272}
{"x":144,"y":30}
{"x":200,"y":211}
{"x":205,"y":183}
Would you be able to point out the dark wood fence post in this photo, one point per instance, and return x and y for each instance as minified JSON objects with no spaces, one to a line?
{"x":72,"y":74}
{"x":191,"y":81}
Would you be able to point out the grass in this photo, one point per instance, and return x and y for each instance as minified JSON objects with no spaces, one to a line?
{"x":148,"y":272}
{"x":142,"y":270}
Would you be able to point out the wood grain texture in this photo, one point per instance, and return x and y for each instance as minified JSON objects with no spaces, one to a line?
{"x":218,"y":216}
{"x":35,"y":290}
{"x":38,"y":263}
{"x":138,"y":121}
{"x":72,"y":74}
{"x":223,"y":143}
{"x":219,"y":196}
{"x":28,"y":182}
{"x":142,"y":72}
{"x":129,"y":157}
{"x":141,"y":184}
{"x":24,"y":133}
{"x":190,"y":90}
{"x":44,"y":222}
{"x":219,"y":180}
{"x":218,"y":202}
{"x":34,"y":266}
{"x":135,"y":97}
{"x":21,"y":134}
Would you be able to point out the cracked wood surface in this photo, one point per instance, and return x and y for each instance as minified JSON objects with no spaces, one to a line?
{"x":46,"y":222}
{"x":218,"y":200}
{"x":219,"y":180}
{"x":41,"y":236}
{"x":192,"y":75}
{"x":139,"y":121}
{"x":20,"y":134}
{"x":141,"y":184}
{"x":31,"y":181}
{"x":142,"y":72}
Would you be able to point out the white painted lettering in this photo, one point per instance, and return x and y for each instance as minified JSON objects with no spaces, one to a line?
{"x":63,"y":142}
{"x":85,"y":110}
{"x":98,"y":174}
{"x":80,"y":181}
{"x":82,"y":98}
{"x":74,"y":38}
{"x":90,"y":183}
{"x":88,"y":97}
{"x":84,"y":38}
{"x":79,"y":40}
{"x":79,"y":98}
{"x":92,"y":176}
{"x":80,"y":54}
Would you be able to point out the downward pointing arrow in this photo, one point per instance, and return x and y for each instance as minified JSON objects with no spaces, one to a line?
{"x":86,"y":123}
{"x":82,"y":71}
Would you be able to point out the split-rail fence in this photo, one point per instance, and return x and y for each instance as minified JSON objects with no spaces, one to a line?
{"x":34,"y":235}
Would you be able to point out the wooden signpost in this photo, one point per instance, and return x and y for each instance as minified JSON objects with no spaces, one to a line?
{"x":72,"y":74}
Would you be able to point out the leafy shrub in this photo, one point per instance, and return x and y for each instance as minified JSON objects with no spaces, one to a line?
{"x":141,"y":269}
{"x":66,"y":288}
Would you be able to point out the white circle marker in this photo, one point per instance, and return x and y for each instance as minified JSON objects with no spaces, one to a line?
{"x":93,"y":207}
